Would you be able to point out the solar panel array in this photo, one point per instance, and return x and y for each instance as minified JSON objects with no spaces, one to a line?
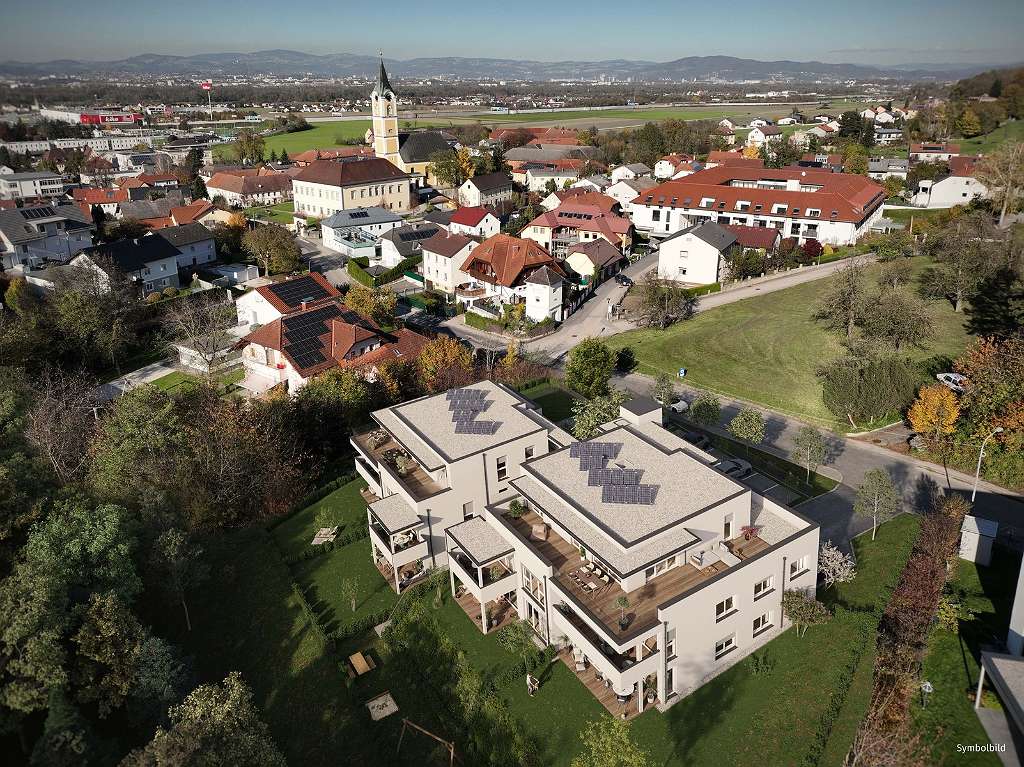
{"x":418,"y":234}
{"x":30,"y":214}
{"x":599,"y":477}
{"x":294,"y":292}
{"x":303,"y":331}
{"x":465,"y":405}
{"x":359,"y":214}
{"x":617,"y":485}
{"x":643,"y":495}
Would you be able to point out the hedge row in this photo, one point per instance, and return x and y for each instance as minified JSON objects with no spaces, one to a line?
{"x":358,"y":273}
{"x":704,"y":290}
{"x":316,"y":495}
{"x":359,"y":625}
{"x":396,"y":272}
{"x":361,"y":532}
{"x":480,"y":322}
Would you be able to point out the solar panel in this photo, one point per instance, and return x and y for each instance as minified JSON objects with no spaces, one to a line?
{"x":598,"y":477}
{"x":595,"y":461}
{"x":459,"y":416}
{"x":476,"y":427}
{"x":641,"y":495}
{"x":417,"y":235}
{"x":359,"y":214}
{"x":294,"y":292}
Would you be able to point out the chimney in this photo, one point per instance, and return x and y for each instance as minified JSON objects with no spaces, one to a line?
{"x":304,"y":304}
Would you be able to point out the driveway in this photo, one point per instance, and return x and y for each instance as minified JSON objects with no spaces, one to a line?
{"x":117,"y":387}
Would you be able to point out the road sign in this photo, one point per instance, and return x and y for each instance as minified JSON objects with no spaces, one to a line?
{"x":682,"y":372}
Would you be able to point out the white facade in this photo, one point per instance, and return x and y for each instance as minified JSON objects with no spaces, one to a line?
{"x":443,"y":272}
{"x":253,"y":309}
{"x":536,"y":180}
{"x":624,"y":194}
{"x":470,"y":196}
{"x":947,"y":192}
{"x":758,"y":137}
{"x":623,"y":172}
{"x":26,"y":185}
{"x":689,"y":259}
{"x":543,"y":300}
{"x":488,"y":227}
{"x":197,"y":253}
{"x":322,"y":200}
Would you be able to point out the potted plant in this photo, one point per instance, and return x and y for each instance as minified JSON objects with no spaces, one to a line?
{"x":650,"y":688}
{"x":623,"y":604}
{"x":377,"y":438}
{"x":749,"y":531}
{"x":496,"y":572}
{"x":516,"y":509}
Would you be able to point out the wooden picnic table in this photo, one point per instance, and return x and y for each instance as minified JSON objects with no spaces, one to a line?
{"x":359,"y":663}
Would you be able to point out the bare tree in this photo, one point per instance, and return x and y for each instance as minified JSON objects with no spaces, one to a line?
{"x":1002,"y":173}
{"x":61,"y":421}
{"x":844,"y":304}
{"x":967,"y":251}
{"x":201,"y":324}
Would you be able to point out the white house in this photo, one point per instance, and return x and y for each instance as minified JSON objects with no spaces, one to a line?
{"x":759,"y":135}
{"x":404,"y":242}
{"x":34,"y":235}
{"x":537,"y":179}
{"x":631,"y":171}
{"x":627,"y":190}
{"x":269,"y":302}
{"x":533,"y":525}
{"x":195,"y":244}
{"x":250,"y":189}
{"x":888,"y":136}
{"x":759,"y":122}
{"x":786,"y":121}
{"x":881,"y":168}
{"x":150,"y":261}
{"x":959,"y":187}
{"x":693,"y":256}
{"x":807,"y":203}
{"x":326,"y":186}
{"x":596,"y":183}
{"x":475,"y":221}
{"x":489,"y":189}
{"x":29,"y":185}
{"x":933,"y":152}
{"x":356,"y":232}
{"x":443,"y":257}
{"x":671,"y":165}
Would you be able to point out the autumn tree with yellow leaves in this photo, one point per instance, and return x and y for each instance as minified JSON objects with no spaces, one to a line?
{"x":934,"y":412}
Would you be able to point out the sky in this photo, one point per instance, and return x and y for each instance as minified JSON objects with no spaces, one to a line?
{"x":882,"y":32}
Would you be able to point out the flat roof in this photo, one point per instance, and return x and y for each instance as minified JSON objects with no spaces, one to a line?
{"x":426,"y":426}
{"x":480,"y":540}
{"x":394,"y":513}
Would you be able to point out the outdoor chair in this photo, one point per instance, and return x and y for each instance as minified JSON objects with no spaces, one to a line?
{"x":605,"y":578}
{"x":590,"y":567}
{"x":592,"y":586}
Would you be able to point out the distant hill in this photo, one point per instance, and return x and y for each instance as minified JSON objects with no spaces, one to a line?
{"x":295,"y":63}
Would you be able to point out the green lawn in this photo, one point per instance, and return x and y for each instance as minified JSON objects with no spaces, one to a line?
{"x":696,"y":112}
{"x":1008,"y":131}
{"x":282,"y":213}
{"x":766,"y":349}
{"x":345,"y":507}
{"x":951,"y":664}
{"x":554,"y":401}
{"x":173,"y":380}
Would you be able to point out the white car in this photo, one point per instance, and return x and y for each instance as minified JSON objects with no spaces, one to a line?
{"x":679,"y":405}
{"x":954,"y":381}
{"x":734,"y":467}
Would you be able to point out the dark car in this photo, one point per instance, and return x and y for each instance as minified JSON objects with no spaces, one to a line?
{"x":699,"y":440}
{"x":622,"y":279}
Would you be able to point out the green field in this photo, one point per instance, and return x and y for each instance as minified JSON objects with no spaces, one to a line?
{"x":282,"y":213}
{"x":554,"y":401}
{"x":323,"y":135}
{"x":344,"y":509}
{"x":766,"y":349}
{"x":1008,"y":131}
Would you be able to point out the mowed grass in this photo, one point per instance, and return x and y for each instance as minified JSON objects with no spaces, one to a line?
{"x":1008,"y":131}
{"x":554,"y":401}
{"x":952,"y":661}
{"x":344,"y":508}
{"x":282,"y":213}
{"x":766,"y":349}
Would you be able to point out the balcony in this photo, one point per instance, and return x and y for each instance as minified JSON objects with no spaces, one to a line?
{"x":387,"y":456}
{"x":600,"y":687}
{"x":463,"y":291}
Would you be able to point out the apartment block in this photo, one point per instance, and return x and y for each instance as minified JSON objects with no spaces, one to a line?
{"x":650,"y":570}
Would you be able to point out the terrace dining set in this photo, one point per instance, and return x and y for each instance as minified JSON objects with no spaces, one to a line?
{"x":590,"y":577}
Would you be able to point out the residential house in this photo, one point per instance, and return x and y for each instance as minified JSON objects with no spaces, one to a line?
{"x":595,"y":183}
{"x":726,"y":123}
{"x":533,"y":525}
{"x":474,"y":221}
{"x":695,"y":255}
{"x":727,"y":135}
{"x":443,"y":257}
{"x":302,"y":159}
{"x":734,"y":158}
{"x":627,"y":190}
{"x":499,"y":270}
{"x":585,"y":195}
{"x":194,"y":242}
{"x":291,"y":349}
{"x":824,"y":132}
{"x":269,"y":302}
{"x":487,"y":190}
{"x":155,"y":214}
{"x":200,"y":211}
{"x":250,"y":190}
{"x":573,"y":222}
{"x":888,"y":136}
{"x":38,"y":234}
{"x":631,"y":171}
{"x":933,"y":152}
{"x":107,"y":200}
{"x":758,"y":136}
{"x":786,"y":121}
{"x":881,"y":168}
{"x":324,"y":187}
{"x":537,"y":179}
{"x":760,"y":122}
{"x":958,"y":187}
{"x":830,"y":162}
{"x":356,"y":232}
{"x":151,"y":261}
{"x":835,"y":208}
{"x":31,"y":185}
{"x":671,"y":164}
{"x":764,"y":238}
{"x":595,"y":261}
{"x":404,"y":242}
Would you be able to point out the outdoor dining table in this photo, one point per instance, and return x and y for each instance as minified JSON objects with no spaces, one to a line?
{"x":358,"y":663}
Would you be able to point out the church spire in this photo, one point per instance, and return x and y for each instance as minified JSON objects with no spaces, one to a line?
{"x":383,"y":84}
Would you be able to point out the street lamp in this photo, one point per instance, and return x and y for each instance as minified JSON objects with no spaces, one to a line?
{"x":981,"y":454}
{"x":926,"y":690}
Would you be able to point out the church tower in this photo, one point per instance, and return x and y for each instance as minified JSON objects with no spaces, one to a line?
{"x":385,"y":118}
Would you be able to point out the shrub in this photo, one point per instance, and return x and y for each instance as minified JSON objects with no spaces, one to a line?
{"x":170,"y":291}
{"x":152,"y":298}
{"x":480,"y":322}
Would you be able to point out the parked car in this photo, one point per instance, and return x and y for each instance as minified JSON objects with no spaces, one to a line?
{"x":698,"y":440}
{"x":734,"y":467}
{"x":623,"y":279}
{"x":679,"y":405}
{"x":954,"y":381}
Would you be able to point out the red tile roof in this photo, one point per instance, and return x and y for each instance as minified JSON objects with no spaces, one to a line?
{"x":99,"y":196}
{"x":185,"y":214}
{"x":540,"y":135}
{"x":507,"y":260}
{"x":587,"y":218}
{"x":582,"y":195}
{"x":840,"y":196}
{"x":332,"y":154}
{"x":963,"y":166}
{"x":469,"y":216}
{"x":734,"y":159}
{"x":754,"y":236}
{"x":445,"y":244}
{"x":244,"y":185}
{"x":349,"y":173}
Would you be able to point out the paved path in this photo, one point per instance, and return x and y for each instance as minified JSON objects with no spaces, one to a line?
{"x":918,"y":480}
{"x":119,"y":386}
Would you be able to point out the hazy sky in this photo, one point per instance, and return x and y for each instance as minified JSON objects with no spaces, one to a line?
{"x":860,"y":31}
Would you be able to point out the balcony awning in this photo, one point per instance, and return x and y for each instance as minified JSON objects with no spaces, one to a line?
{"x":481,"y":542}
{"x":395,"y":514}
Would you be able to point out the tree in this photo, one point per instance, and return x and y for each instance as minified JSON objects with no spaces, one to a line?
{"x":968,"y":124}
{"x":934,"y":412}
{"x":590,"y":367}
{"x":966,"y":253}
{"x":445,"y":364}
{"x":272,"y":247}
{"x":855,"y":160}
{"x":748,"y":426}
{"x":1002,"y":173}
{"x":898,"y":319}
{"x":895,"y":274}
{"x":61,"y":421}
{"x":663,"y":389}
{"x":835,"y":566}
{"x":446,"y":167}
{"x":284,"y":159}
{"x":607,"y":743}
{"x":249,"y":146}
{"x":589,"y":415}
{"x":377,"y":303}
{"x":809,"y":449}
{"x":108,"y":646}
{"x":202,"y":324}
{"x":197,"y":189}
{"x":893,"y":245}
{"x":517,"y":638}
{"x":895,"y":188}
{"x":877,"y":498}
{"x":705,"y":410}
{"x":865,"y":388}
{"x":803,"y":611}
{"x":663,"y":302}
{"x":349,"y":590}
{"x":850,"y":124}
{"x":845,"y":302}
{"x":217,"y":724}
{"x":180,"y":562}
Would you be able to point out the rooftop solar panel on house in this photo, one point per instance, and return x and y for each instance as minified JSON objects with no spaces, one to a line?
{"x":294,"y":292}
{"x":359,"y":214}
{"x":642,"y":495}
{"x":30,"y":214}
{"x":419,"y":234}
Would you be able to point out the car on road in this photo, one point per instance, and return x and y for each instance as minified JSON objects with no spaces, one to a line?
{"x":697,"y":440}
{"x":734,"y":467}
{"x":679,"y":405}
{"x":954,"y":381}
{"x":623,"y":279}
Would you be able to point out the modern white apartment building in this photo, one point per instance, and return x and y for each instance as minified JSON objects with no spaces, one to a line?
{"x":44,"y":184}
{"x":533,"y":524}
{"x":835,"y":208}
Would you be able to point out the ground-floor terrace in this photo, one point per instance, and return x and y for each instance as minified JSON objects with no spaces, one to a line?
{"x":622,"y":706}
{"x":490,"y":616}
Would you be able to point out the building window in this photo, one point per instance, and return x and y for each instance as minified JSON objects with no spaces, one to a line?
{"x":656,"y":215}
{"x":467,"y":509}
{"x":762,"y":623}
{"x":724,"y":646}
{"x":502,"y":468}
{"x":528,"y":453}
{"x":670,"y":643}
{"x":797,"y":568}
{"x":725,"y":608}
{"x":727,"y":527}
{"x":764,"y":587}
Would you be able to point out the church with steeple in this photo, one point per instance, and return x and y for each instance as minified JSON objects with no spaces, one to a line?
{"x":410,"y":151}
